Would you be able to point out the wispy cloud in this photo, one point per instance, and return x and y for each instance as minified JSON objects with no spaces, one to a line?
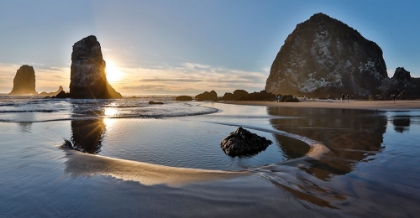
{"x":189,"y":78}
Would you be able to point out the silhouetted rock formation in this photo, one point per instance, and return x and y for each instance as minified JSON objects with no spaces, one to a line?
{"x":237,"y":95}
{"x":207,"y":96}
{"x":62,"y":94}
{"x":325,"y":56}
{"x":183,"y":98}
{"x":24,"y":81}
{"x":403,"y":85}
{"x":60,"y":89}
{"x":242,"y":142}
{"x":259,"y":96}
{"x":88,"y":77}
{"x":288,"y":98}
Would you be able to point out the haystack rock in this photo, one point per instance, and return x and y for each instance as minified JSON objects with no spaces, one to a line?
{"x":88,"y":76}
{"x":24,"y":81}
{"x":324,"y":56}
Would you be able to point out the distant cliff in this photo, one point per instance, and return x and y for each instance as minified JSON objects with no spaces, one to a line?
{"x":24,"y":81}
{"x":324,"y":56}
{"x":88,"y":76}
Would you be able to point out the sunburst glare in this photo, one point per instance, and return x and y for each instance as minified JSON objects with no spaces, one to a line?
{"x":113,"y":73}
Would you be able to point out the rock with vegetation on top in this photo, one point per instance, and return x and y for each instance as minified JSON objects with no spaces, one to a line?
{"x":24,"y":81}
{"x":242,"y":142}
{"x":88,"y":76}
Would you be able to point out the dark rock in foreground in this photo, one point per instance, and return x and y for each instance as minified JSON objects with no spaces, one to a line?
{"x":242,"y":142}
{"x":207,"y":96}
{"x":88,"y":76}
{"x":24,"y":81}
{"x":183,"y":98}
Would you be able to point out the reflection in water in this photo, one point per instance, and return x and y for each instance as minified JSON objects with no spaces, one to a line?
{"x":351,"y":135}
{"x":25,"y":127}
{"x":401,"y":124}
{"x":87,"y":135}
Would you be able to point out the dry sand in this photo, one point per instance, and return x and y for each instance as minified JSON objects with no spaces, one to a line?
{"x":353,"y":104}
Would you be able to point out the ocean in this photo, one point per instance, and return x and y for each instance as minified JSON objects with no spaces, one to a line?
{"x":126,"y":157}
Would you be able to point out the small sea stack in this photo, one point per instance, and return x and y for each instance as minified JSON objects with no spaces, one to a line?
{"x":24,"y":81}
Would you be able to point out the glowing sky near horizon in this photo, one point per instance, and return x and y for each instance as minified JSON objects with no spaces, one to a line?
{"x":187,"y":46}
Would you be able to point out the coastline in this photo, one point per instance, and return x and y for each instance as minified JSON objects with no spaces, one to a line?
{"x":337,"y":104}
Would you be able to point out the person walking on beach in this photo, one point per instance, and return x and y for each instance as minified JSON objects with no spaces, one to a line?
{"x":348,"y":98}
{"x":394,"y":97}
{"x":342,"y":97}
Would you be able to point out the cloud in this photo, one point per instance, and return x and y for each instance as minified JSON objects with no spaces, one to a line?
{"x":189,"y":78}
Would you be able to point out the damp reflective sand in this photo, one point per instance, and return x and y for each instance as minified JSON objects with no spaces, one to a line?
{"x":323,"y":162}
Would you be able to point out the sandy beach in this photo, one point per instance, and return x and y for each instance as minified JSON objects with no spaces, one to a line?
{"x":337,"y":104}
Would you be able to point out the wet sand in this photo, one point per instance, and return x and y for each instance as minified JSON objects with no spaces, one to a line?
{"x":352,"y":104}
{"x":369,"y":168}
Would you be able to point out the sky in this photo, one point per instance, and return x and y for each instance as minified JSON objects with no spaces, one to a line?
{"x":173,"y":47}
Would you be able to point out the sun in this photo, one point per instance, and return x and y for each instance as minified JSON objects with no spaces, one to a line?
{"x":113,"y":73}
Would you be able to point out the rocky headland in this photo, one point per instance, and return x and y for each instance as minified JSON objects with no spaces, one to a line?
{"x":324,"y":57}
{"x":24,"y":81}
{"x":88,"y":76}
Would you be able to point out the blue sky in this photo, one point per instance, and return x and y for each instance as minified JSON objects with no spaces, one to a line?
{"x":187,"y":46}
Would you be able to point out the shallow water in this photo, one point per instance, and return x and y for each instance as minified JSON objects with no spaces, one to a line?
{"x":370,"y":169}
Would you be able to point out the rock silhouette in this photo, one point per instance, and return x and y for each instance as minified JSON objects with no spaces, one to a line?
{"x":88,"y":76}
{"x":24,"y":81}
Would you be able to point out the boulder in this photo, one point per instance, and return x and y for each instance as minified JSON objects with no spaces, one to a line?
{"x":259,"y":96}
{"x":88,"y":76}
{"x":183,"y":98}
{"x":207,"y":96}
{"x":242,"y":143}
{"x":323,"y":56}
{"x":24,"y":81}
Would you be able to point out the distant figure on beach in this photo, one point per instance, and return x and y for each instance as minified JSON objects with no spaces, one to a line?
{"x":348,"y":98}
{"x":278,"y":98}
{"x":394,"y":97}
{"x":342,"y":97}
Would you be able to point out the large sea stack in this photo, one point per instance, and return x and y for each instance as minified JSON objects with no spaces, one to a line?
{"x":88,"y":76}
{"x":24,"y":81}
{"x":324,"y":57}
